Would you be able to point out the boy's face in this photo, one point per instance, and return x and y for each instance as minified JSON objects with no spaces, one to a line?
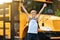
{"x":33,"y":13}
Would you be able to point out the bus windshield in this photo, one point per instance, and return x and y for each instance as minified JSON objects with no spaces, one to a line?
{"x":30,"y":5}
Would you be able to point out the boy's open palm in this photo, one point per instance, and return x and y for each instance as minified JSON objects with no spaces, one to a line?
{"x":44,"y":5}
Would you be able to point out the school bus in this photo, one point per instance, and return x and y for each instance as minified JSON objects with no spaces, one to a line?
{"x":49,"y":21}
{"x":9,"y":20}
{"x":4,"y":18}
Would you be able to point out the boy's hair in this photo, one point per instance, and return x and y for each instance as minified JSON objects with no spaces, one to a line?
{"x":33,"y":11}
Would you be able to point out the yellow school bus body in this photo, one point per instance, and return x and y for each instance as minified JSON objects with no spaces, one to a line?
{"x":50,"y":21}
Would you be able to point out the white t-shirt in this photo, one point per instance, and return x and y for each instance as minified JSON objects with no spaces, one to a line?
{"x":33,"y":26}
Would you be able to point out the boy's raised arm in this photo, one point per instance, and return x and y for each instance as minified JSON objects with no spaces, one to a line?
{"x":41,"y":10}
{"x":24,"y":9}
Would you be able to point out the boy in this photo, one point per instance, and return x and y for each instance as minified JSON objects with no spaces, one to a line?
{"x":32,"y":33}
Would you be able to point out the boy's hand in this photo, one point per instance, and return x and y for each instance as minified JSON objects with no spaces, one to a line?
{"x":44,"y":5}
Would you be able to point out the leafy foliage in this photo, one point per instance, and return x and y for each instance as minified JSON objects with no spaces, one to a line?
{"x":57,"y":13}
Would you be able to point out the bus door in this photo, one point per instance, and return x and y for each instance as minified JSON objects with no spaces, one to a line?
{"x":15,"y":20}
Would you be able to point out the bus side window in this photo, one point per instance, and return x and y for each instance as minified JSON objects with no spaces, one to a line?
{"x":1,"y":11}
{"x":6,"y":10}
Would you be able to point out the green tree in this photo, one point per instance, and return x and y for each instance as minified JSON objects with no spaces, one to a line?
{"x":57,"y":12}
